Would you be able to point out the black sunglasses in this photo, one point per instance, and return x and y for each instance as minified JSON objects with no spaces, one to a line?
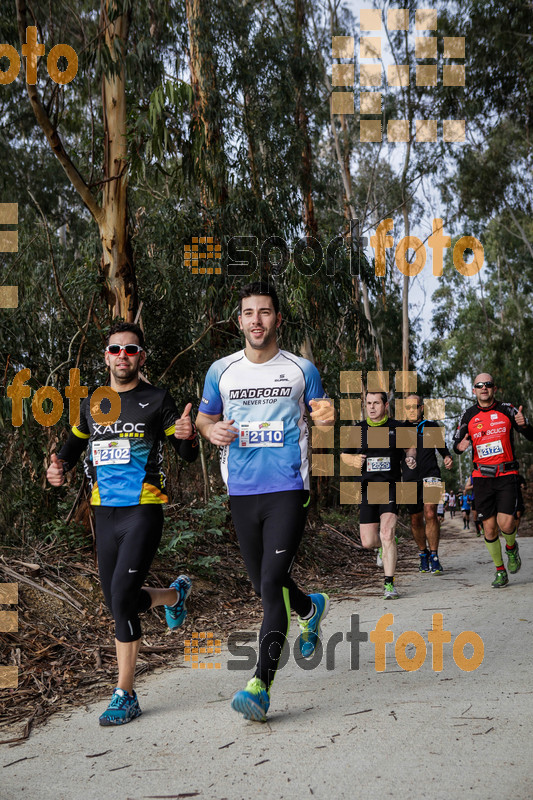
{"x":481,"y":384}
{"x":129,"y":349}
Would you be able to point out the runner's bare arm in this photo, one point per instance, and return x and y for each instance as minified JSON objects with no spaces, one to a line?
{"x":356,"y":461}
{"x":410,"y":457}
{"x":217,"y":431}
{"x":323,"y":412}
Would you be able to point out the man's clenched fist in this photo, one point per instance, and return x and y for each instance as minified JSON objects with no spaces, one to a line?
{"x":55,"y":474}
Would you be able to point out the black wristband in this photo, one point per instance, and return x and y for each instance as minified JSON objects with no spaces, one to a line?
{"x":194,"y":433}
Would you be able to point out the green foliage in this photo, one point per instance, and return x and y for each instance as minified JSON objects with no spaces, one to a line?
{"x":58,"y":531}
{"x":185,"y":540}
{"x":230,"y":163}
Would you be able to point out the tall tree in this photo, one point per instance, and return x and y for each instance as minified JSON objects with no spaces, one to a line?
{"x":109,"y":210}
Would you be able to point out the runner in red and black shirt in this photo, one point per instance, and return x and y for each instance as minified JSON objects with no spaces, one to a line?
{"x":489,"y":426}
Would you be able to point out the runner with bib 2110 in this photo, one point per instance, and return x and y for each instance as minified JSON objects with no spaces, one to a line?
{"x":253,"y":407}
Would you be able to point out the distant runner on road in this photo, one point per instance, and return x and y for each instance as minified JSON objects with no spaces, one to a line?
{"x":253,"y":408}
{"x":452,"y":502}
{"x":378,"y":464}
{"x":424,"y":522}
{"x":465,"y":508}
{"x":469,"y":488}
{"x":123,"y":465}
{"x":489,"y":427}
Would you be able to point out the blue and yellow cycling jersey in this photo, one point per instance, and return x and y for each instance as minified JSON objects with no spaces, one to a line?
{"x":123,"y":460}
{"x":268,"y":403}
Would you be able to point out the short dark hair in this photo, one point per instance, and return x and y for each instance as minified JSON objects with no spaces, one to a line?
{"x":127,"y":327}
{"x":383,"y":396}
{"x":259,"y":287}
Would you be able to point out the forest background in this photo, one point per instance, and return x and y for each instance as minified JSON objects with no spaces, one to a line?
{"x":212,"y":118}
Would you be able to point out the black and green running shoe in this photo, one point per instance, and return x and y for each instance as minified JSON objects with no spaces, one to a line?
{"x":501,"y":579}
{"x":514,"y":562}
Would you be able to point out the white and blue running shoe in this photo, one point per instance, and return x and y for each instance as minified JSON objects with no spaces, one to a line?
{"x":175,"y":615}
{"x":311,"y":627}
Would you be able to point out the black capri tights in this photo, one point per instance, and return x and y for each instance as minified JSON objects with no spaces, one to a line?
{"x":269,"y":529}
{"x":127,"y":539}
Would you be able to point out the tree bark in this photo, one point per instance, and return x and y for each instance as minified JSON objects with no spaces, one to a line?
{"x":346,"y":181}
{"x":111,"y":216}
{"x":302,"y":125}
{"x":117,"y":259}
{"x":206,"y":112}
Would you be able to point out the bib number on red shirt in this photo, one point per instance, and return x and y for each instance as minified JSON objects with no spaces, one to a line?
{"x":489,"y":449}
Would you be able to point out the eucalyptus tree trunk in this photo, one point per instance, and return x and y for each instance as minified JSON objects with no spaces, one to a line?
{"x":116,"y":266}
{"x":117,"y":262}
{"x":210,"y":163}
{"x":302,"y":125}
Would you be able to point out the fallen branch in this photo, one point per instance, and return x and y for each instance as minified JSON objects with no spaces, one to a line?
{"x":23,"y":579}
{"x":346,"y":538}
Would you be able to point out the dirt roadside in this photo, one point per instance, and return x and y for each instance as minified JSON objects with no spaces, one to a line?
{"x":332,"y":733}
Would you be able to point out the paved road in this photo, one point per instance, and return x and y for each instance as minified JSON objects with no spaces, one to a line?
{"x":332,"y":733}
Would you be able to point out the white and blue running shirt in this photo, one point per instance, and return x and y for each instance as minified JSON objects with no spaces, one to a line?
{"x":277,"y":391}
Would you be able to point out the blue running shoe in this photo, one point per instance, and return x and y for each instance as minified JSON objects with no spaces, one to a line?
{"x":435,"y":565}
{"x":123,"y":708}
{"x":424,"y":562}
{"x":252,"y":702}
{"x":175,"y":615}
{"x":311,"y":627}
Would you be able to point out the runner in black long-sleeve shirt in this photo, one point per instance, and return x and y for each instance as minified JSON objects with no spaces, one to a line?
{"x":424,"y":522}
{"x":379,"y":464}
{"x":123,"y":465}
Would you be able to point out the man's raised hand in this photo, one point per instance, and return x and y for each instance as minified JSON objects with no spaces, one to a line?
{"x":222,"y":432}
{"x":183,"y":425}
{"x":55,"y":474}
{"x":520,"y":418}
{"x":323,"y":412}
{"x":356,"y":461}
{"x":464,"y":444}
